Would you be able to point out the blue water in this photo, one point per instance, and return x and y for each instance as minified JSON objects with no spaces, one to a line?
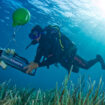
{"x":81,"y":21}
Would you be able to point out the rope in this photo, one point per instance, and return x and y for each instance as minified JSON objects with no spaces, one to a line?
{"x":13,"y":37}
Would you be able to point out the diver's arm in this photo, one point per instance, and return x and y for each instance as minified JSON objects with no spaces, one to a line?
{"x":35,"y":63}
{"x":38,"y":55}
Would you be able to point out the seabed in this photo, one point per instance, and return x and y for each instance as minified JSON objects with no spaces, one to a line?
{"x":65,"y":95}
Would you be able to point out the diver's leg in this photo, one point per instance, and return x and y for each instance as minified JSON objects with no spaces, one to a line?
{"x":80,"y":62}
{"x":67,"y":64}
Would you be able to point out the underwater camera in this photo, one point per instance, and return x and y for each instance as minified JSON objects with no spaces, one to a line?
{"x":9,"y":57}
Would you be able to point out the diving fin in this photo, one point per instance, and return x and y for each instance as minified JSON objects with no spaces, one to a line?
{"x":101,"y":60}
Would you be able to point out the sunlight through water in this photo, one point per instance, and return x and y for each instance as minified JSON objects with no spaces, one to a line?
{"x":99,"y":5}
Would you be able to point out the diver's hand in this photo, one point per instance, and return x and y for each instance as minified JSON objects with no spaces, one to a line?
{"x":31,"y":66}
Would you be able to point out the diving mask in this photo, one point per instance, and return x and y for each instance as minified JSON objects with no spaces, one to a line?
{"x":34,"y":35}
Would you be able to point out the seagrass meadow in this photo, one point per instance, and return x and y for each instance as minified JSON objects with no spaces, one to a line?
{"x":62,"y":96}
{"x":65,"y":95}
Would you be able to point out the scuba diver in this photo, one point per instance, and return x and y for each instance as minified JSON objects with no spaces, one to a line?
{"x":54,"y":47}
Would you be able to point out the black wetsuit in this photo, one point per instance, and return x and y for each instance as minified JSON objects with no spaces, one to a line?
{"x":50,"y":48}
